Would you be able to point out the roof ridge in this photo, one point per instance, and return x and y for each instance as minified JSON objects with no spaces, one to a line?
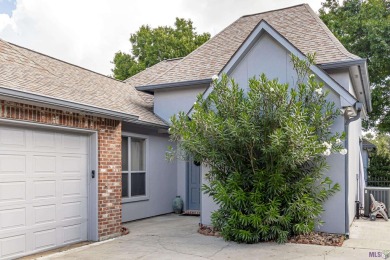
{"x":171,"y":59}
{"x":274,"y":10}
{"x":194,"y":51}
{"x":329,"y":34}
{"x":56,"y":59}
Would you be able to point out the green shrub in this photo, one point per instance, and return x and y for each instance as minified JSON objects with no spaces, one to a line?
{"x":266,"y":149}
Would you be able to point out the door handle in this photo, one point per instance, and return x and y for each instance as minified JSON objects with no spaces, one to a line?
{"x":93,"y":174}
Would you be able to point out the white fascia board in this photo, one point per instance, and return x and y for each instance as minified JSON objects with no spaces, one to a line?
{"x":346,"y":98}
{"x":47,"y":100}
{"x":363,"y":69}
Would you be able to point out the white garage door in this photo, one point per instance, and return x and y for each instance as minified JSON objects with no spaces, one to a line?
{"x":43,"y":190}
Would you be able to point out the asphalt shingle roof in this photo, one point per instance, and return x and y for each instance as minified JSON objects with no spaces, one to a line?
{"x":298,"y":24}
{"x":26,"y":70}
{"x":149,"y":74}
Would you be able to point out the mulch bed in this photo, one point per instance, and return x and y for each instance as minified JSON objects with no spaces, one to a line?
{"x":208,"y":231}
{"x":314,"y":238}
{"x":318,"y":238}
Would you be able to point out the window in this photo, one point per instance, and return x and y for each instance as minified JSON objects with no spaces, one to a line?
{"x":134,"y":175}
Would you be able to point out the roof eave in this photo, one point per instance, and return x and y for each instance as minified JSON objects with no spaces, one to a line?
{"x":361,"y":66}
{"x":341,"y":64}
{"x":182,"y":84}
{"x":51,"y":101}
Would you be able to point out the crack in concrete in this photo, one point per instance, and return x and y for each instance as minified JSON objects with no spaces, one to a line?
{"x":218,"y":251}
{"x":175,"y":251}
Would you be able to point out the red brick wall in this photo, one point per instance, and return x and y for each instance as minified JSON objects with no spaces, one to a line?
{"x":109,"y":155}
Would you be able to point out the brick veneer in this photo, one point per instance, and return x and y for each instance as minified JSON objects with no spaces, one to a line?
{"x":109,"y":155}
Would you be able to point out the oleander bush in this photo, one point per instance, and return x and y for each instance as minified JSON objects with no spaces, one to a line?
{"x":266,"y":148}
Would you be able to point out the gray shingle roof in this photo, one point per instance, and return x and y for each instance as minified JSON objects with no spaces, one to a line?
{"x":26,"y":70}
{"x":149,"y":74}
{"x":298,"y":24}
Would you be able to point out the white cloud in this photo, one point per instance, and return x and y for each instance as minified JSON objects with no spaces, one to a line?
{"x":89,"y":32}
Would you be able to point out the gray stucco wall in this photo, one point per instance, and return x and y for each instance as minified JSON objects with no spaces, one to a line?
{"x":268,"y":57}
{"x":355,"y":132}
{"x":162,"y":178}
{"x":207,"y":203}
{"x":168,"y":102}
{"x":343,"y":78}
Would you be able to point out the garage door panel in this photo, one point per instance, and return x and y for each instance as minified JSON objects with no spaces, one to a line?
{"x":72,"y":210}
{"x":43,"y":140}
{"x":12,"y":164}
{"x":74,"y":143}
{"x":12,"y":218}
{"x":12,"y":191}
{"x":45,"y":239}
{"x":11,"y":138}
{"x":43,"y":190}
{"x":72,"y":187}
{"x":73,"y":164}
{"x":13,"y":245}
{"x":44,"y":214}
{"x":44,"y":164}
{"x":74,"y":233}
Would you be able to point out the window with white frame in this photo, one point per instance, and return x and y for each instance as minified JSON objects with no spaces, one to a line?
{"x":134,"y":173}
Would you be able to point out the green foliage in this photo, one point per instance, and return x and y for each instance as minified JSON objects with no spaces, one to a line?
{"x":379,"y":167}
{"x":363,"y":27}
{"x":266,"y":149}
{"x":152,"y":45}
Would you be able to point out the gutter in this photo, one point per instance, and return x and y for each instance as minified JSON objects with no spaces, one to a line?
{"x":341,"y":64}
{"x":28,"y":96}
{"x":358,"y":107}
{"x":190,"y":83}
{"x":366,"y":87}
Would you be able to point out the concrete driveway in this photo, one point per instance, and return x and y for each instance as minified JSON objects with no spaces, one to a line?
{"x":175,"y":237}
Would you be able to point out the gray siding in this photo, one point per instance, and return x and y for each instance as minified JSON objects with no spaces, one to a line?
{"x":169,"y":102}
{"x":355,"y":132}
{"x":162,"y":178}
{"x":343,"y":78}
{"x":207,"y":204}
{"x":266,"y":56}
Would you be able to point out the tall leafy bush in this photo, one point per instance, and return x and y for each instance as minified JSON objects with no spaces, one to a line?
{"x":266,"y":148}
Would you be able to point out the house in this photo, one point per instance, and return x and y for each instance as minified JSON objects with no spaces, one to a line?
{"x":80,"y":152}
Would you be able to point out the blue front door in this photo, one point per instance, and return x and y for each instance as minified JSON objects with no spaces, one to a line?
{"x":193,"y":180}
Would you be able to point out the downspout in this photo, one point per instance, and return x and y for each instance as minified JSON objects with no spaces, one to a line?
{"x":358,"y":108}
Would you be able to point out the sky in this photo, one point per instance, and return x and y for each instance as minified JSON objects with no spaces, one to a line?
{"x":88,"y":33}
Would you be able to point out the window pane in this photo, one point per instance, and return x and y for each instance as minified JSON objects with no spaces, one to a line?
{"x":125,"y":154}
{"x":125,"y":185}
{"x":137,"y":154}
{"x":138,"y":187}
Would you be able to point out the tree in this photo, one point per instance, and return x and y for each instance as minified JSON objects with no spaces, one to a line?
{"x":152,"y":45}
{"x":363,"y":27}
{"x":267,"y":150}
{"x":379,"y":167}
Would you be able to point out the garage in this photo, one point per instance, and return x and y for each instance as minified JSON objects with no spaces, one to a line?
{"x":43,"y":189}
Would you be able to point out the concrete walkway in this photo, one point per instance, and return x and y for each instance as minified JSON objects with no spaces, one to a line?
{"x":176,"y":237}
{"x":369,"y":234}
